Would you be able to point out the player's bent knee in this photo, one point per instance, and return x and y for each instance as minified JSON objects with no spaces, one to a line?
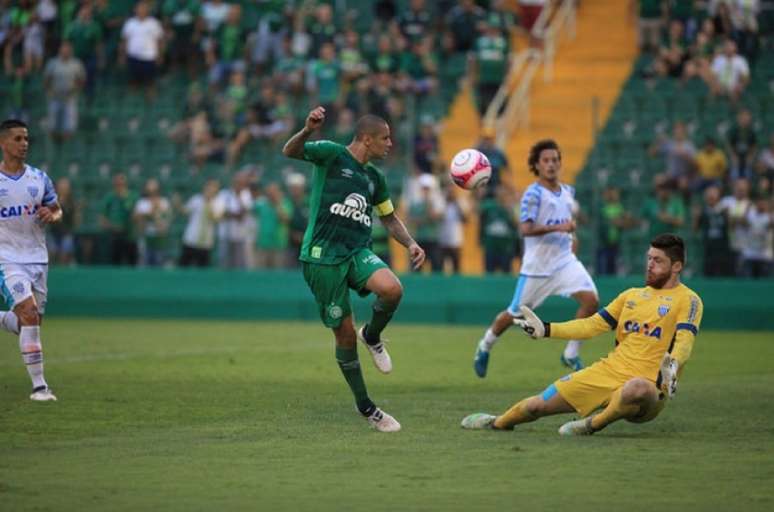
{"x":392,"y":293}
{"x":638,"y":389}
{"x":28,"y":315}
{"x":536,"y":406}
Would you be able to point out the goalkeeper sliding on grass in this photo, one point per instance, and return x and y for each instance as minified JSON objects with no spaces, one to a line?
{"x":655,"y":327}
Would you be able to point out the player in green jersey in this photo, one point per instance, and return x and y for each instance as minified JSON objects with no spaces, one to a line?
{"x":336,"y":252}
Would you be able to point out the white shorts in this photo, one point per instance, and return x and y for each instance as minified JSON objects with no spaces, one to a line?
{"x":19,"y":282}
{"x":531,"y":291}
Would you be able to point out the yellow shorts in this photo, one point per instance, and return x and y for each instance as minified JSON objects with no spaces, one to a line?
{"x":591,"y":388}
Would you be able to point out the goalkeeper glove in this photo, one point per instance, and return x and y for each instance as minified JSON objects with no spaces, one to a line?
{"x":668,"y":375}
{"x":533,"y":326}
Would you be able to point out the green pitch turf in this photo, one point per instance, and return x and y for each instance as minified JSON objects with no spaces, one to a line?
{"x":187,"y":415}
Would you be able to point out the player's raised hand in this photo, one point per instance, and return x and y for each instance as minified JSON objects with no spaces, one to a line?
{"x":315,"y":119}
{"x":531,"y":324}
{"x":668,"y":372}
{"x":417,"y":256}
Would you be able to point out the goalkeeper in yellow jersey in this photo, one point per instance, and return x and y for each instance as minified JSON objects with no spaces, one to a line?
{"x":655,"y":327}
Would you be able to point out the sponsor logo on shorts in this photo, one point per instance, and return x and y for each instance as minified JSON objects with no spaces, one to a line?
{"x":354,"y":207}
{"x":372,"y":259}
{"x":663,"y":309}
{"x":18,"y":287}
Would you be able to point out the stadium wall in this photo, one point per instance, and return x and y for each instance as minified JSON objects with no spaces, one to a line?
{"x":214,"y":294}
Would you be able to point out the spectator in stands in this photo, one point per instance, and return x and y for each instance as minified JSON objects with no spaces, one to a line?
{"x":498,"y":231}
{"x":501,"y":16}
{"x":385,"y":60}
{"x":741,"y":145}
{"x":236,"y":203}
{"x":730,"y":72}
{"x":418,"y":68}
{"x":199,"y":236}
{"x":322,"y":29}
{"x":650,"y":19}
{"x":353,"y":64}
{"x":269,"y":118}
{"x":711,"y":221}
{"x":490,"y":63}
{"x":183,"y":23}
{"x":267,"y":43}
{"x":462,"y":23}
{"x":111,"y":16}
{"x":425,"y":212}
{"x":665,"y":212}
{"x":205,"y":142}
{"x":299,"y":218}
{"x":678,"y":152}
{"x":343,"y":129}
{"x":226,"y":52}
{"x":711,"y":165}
{"x":116,"y":220}
{"x":63,"y":79}
{"x":496,"y":157}
{"x":33,"y":42}
{"x":273,"y":212}
{"x":153,"y":217}
{"x":214,"y":14}
{"x":451,"y":236}
{"x":764,"y":166}
{"x":143,"y":48}
{"x":323,"y":79}
{"x":414,"y":22}
{"x":744,"y":16}
{"x":614,"y":219}
{"x":47,"y":14}
{"x":61,"y":235}
{"x":673,"y":55}
{"x":85,"y":34}
{"x":426,"y":145}
{"x":736,"y":206}
{"x":758,"y":246}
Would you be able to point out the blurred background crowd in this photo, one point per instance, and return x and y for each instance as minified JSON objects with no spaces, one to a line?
{"x":161,"y":122}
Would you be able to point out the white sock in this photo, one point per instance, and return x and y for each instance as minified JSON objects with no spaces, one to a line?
{"x":572,"y":349}
{"x":32,"y":354}
{"x":9,"y":322}
{"x":488,"y":341}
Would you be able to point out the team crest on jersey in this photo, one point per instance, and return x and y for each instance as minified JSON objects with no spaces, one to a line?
{"x":347,"y":173}
{"x":663,"y":309}
{"x":354,"y":207}
{"x":3,"y":192}
{"x":33,"y":191}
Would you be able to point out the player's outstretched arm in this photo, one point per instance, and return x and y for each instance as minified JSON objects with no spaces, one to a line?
{"x":294,"y":147}
{"x":398,"y":230}
{"x":581,"y":328}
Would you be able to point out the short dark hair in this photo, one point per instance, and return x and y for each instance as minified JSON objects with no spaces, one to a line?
{"x":672,"y":245}
{"x":539,"y":147}
{"x":368,"y":125}
{"x":9,"y":124}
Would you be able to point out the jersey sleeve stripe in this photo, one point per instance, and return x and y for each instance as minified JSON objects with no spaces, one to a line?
{"x":687,"y":327}
{"x":612,"y":322}
{"x":384,"y":208}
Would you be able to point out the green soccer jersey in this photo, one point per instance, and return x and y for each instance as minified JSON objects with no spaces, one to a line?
{"x":343,"y":195}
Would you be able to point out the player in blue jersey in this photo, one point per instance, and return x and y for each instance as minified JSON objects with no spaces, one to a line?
{"x":549,"y":266}
{"x":27,"y":203}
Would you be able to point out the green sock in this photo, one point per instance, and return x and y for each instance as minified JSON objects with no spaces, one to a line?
{"x":350,"y":367}
{"x":382,"y":313}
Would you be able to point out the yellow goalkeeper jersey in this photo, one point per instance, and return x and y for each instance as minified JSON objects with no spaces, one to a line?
{"x":648,"y":322}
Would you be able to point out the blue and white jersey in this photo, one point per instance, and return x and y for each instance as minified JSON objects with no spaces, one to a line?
{"x":22,"y":235}
{"x":545,"y":254}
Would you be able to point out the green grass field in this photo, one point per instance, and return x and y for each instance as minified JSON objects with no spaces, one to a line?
{"x":189,"y":415}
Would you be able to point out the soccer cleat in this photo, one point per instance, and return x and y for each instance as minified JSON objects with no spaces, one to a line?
{"x":480,"y":361}
{"x":382,"y":421}
{"x":573,"y":363}
{"x":478,"y":421}
{"x":42,"y":395}
{"x":379,"y":354}
{"x":577,"y":428}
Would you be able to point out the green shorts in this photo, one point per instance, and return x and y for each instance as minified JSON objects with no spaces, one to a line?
{"x":330,"y":284}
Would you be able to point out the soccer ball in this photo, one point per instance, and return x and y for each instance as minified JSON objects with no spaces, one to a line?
{"x":470,"y":169}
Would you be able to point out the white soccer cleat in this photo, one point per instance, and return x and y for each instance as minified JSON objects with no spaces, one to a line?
{"x":577,"y":428}
{"x":382,"y":421}
{"x":43,"y":395}
{"x":478,"y":421}
{"x":379,"y":354}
